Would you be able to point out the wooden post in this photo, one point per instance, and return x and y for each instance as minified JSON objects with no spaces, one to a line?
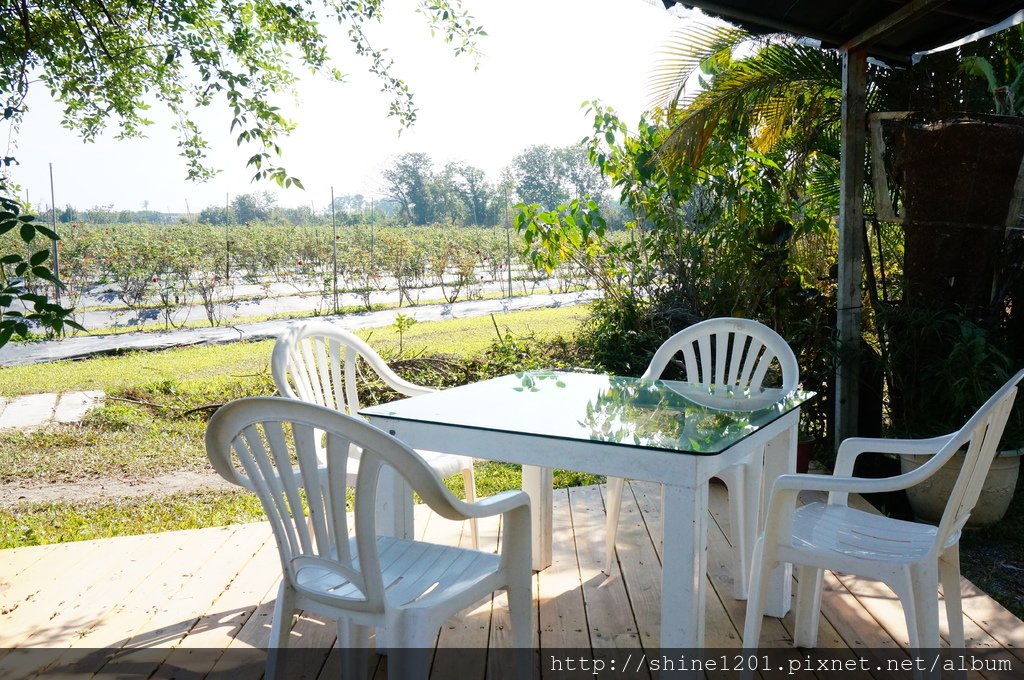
{"x":851,"y":242}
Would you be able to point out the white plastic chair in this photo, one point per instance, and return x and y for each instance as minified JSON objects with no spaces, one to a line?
{"x":339,"y":568}
{"x":727,"y":353}
{"x":910,"y":557}
{"x":317,"y":362}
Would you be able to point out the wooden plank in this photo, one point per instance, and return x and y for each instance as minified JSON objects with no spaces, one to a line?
{"x":193,"y":657}
{"x":146,"y":613}
{"x":31,"y":598}
{"x":563,"y":619}
{"x":609,"y":617}
{"x":905,"y":14}
{"x":71,"y":612}
{"x":71,"y":601}
{"x":718,"y":629}
{"x":985,"y":615}
{"x":640,"y":569}
{"x":16,"y":561}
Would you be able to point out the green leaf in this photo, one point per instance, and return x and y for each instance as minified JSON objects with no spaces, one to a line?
{"x":28,"y":232}
{"x":45,"y":273}
{"x":39,"y":257}
{"x":10,"y":259}
{"x":46,"y":231}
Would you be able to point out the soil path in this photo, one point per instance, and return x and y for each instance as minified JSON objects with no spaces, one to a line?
{"x":109,"y":489}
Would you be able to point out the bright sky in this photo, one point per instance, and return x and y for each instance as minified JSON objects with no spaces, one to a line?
{"x":542,"y":59}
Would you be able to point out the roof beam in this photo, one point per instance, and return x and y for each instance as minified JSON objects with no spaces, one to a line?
{"x":908,"y":12}
{"x":726,"y":12}
{"x":960,"y":13}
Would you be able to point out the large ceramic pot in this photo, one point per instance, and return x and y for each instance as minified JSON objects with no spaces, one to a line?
{"x":928,"y":499}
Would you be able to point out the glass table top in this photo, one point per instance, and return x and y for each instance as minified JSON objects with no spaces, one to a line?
{"x":656,"y":414}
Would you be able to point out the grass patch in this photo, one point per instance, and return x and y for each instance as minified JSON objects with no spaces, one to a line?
{"x":44,"y":523}
{"x":155,"y":418}
{"x":112,"y":374}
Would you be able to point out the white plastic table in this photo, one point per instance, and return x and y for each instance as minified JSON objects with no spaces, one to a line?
{"x":677,"y":434}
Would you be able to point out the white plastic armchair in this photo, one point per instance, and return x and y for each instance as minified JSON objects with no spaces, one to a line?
{"x":910,"y":557}
{"x":317,"y":362}
{"x":333,"y":563}
{"x":741,"y":355}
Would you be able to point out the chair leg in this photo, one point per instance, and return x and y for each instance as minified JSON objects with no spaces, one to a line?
{"x":354,"y":644}
{"x":925,"y":586}
{"x":413,"y":640}
{"x":949,"y":573}
{"x":280,"y":630}
{"x":808,"y":606}
{"x":469,"y":479}
{"x":520,"y":610}
{"x":755,"y":596}
{"x":613,"y":506}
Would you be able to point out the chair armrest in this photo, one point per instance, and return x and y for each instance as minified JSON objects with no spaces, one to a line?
{"x":854,"y":446}
{"x":405,"y":387}
{"x":838,"y":484}
{"x":497,"y":504}
{"x":782,"y":503}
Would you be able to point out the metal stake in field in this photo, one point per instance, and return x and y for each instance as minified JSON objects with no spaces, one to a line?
{"x":53,"y":244}
{"x":334,"y":251}
{"x":508,"y":246}
{"x":227,"y":241}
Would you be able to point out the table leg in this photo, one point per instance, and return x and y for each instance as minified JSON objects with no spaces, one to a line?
{"x":779,"y":459}
{"x":537,"y":482}
{"x":684,"y":565}
{"x":394,"y":505}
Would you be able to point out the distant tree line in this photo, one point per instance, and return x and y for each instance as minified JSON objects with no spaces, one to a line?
{"x":416,"y":192}
{"x":461,"y":194}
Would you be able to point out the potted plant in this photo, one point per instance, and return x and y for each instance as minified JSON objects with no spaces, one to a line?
{"x":941,"y":368}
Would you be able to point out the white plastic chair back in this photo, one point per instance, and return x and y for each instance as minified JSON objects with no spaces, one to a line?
{"x":979,"y":439}
{"x":317,"y":362}
{"x":729,"y":352}
{"x":273,"y":441}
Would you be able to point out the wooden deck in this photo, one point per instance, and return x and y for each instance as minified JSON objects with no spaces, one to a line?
{"x":214,"y":589}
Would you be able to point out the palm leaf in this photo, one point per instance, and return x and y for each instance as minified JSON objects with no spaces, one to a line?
{"x":682,"y":54}
{"x":760,"y":96}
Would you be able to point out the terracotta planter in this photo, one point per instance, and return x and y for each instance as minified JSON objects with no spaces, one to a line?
{"x":928,"y":499}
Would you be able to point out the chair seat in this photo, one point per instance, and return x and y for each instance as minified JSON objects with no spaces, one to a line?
{"x":841,"y":530}
{"x":413,"y":572}
{"x":446,"y":464}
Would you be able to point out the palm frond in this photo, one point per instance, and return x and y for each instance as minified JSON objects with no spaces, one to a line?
{"x":759,"y":95}
{"x":682,"y":54}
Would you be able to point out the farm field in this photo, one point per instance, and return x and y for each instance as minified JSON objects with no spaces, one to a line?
{"x":139,"y":276}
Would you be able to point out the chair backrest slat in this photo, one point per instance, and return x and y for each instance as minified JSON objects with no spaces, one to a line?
{"x":351,"y":376}
{"x":735,"y":353}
